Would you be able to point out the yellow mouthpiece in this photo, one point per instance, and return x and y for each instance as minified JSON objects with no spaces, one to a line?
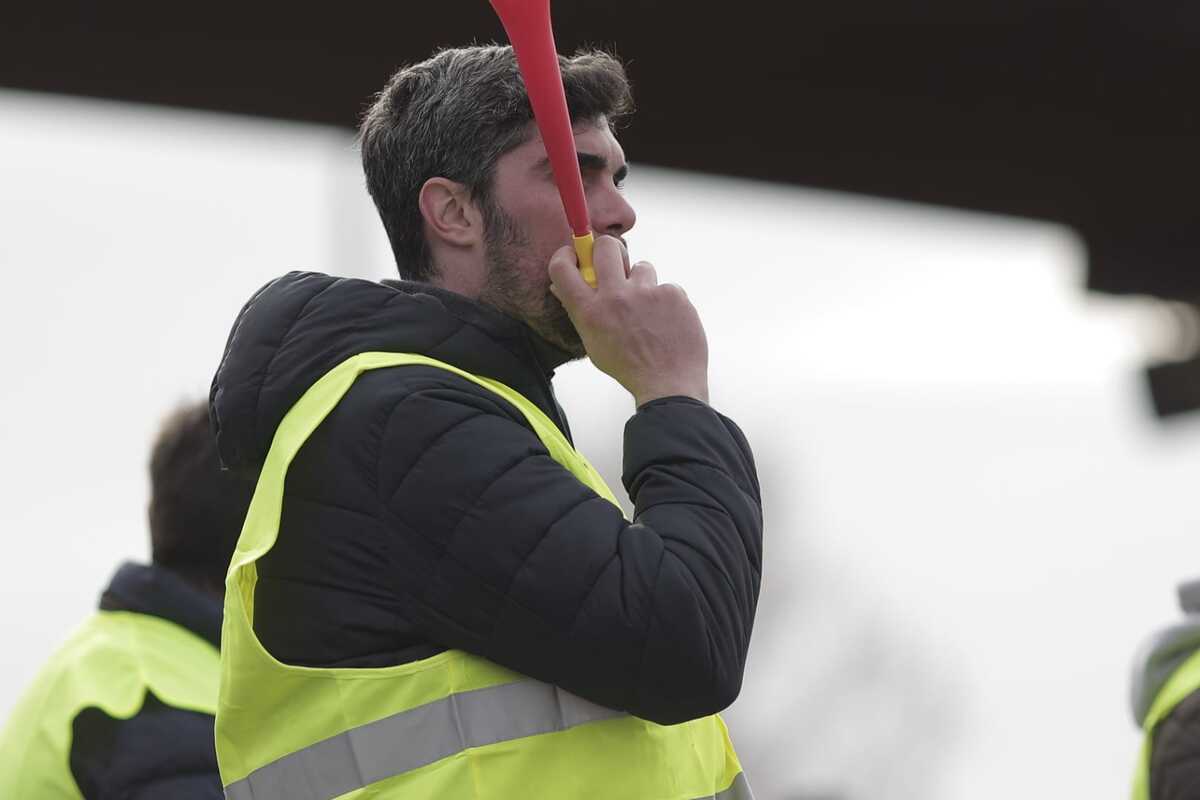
{"x":583,"y":249}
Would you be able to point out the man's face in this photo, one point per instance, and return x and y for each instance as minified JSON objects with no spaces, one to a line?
{"x":526,"y":224}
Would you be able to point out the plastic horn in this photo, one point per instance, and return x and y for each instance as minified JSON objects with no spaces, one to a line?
{"x":527,"y":23}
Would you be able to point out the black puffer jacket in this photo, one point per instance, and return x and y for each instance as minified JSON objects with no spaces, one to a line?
{"x":1175,"y":757}
{"x":424,"y":514}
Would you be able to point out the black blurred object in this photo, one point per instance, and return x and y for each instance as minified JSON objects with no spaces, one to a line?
{"x":1076,"y":111}
{"x":1175,"y":387}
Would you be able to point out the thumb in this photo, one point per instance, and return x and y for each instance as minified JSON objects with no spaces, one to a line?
{"x":566,"y":282}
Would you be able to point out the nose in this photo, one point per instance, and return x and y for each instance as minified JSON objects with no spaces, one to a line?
{"x":611,"y":213}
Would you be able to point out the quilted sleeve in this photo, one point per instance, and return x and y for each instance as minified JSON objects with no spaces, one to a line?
{"x":500,"y":551}
{"x":1175,"y":756}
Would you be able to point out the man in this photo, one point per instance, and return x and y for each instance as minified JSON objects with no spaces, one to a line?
{"x":435,"y":596}
{"x":125,"y":708}
{"x":1166,"y":705}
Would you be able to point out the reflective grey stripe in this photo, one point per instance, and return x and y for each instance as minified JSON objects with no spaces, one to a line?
{"x":422,"y":735}
{"x":425,"y":734}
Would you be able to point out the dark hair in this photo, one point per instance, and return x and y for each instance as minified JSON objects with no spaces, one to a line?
{"x":453,"y":116}
{"x":196,"y":509}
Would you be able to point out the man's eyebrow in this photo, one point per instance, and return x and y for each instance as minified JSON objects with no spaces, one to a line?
{"x":588,"y":161}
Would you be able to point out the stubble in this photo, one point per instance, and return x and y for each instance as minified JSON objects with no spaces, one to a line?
{"x":509,"y":288}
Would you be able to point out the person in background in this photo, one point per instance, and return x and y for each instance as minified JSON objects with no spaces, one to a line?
{"x":1166,"y":705}
{"x":124,"y":709}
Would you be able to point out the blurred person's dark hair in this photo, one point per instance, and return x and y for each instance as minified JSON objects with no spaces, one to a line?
{"x":453,"y":116}
{"x":196,"y":508}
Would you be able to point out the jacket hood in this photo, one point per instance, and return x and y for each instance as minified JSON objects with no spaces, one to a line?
{"x":303,"y":324}
{"x":1165,"y":652}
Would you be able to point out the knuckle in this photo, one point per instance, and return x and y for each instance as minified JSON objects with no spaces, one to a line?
{"x":643,"y":268}
{"x":620,"y":303}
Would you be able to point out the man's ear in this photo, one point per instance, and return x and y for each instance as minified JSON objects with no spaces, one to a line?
{"x":449,"y":214}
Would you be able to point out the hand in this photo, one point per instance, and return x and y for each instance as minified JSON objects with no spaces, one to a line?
{"x":646,"y":336}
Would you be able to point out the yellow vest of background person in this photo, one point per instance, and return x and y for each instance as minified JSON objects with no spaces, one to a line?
{"x":110,"y":663}
{"x":1184,"y":681}
{"x":451,"y":727}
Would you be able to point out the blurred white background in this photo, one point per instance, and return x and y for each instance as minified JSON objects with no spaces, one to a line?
{"x":972,"y":519}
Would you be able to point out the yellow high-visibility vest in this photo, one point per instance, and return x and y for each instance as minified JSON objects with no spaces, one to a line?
{"x":1183,"y":681}
{"x":110,"y":663}
{"x":450,"y":727}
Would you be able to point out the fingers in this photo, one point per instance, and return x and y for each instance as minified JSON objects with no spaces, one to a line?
{"x":566,"y":282}
{"x":643,"y":274}
{"x":610,"y":261}
{"x":610,"y":257}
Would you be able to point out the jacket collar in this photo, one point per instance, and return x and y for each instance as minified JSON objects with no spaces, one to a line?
{"x":303,"y":324}
{"x":503,"y":328}
{"x":158,"y":592}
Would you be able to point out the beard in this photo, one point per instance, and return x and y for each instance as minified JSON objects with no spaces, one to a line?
{"x":509,"y":288}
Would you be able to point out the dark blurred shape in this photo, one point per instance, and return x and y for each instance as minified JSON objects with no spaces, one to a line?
{"x":1175,"y":385}
{"x":1077,"y":112}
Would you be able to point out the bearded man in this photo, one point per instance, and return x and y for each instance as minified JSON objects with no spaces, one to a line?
{"x":435,"y":595}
